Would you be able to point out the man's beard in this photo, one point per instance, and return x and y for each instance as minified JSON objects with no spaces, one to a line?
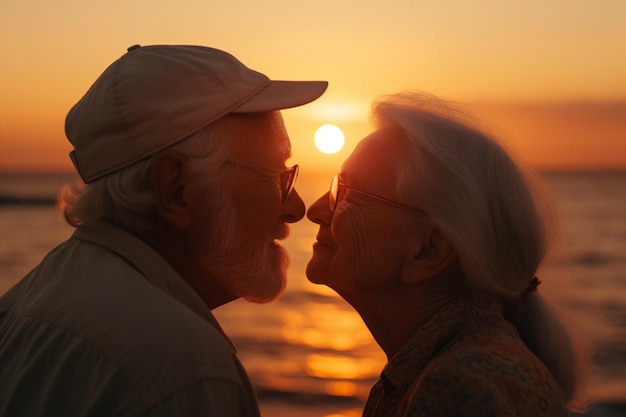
{"x":255,"y":271}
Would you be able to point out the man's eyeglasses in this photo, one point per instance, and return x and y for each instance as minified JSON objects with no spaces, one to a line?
{"x":336,"y":184}
{"x":287,"y":177}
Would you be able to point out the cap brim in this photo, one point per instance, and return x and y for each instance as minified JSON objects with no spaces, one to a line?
{"x":279,"y":95}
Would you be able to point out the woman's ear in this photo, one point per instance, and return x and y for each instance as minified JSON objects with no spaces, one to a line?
{"x":429,"y":257}
{"x":168,"y":178}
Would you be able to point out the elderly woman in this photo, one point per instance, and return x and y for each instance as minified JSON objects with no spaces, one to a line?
{"x":433,"y":234}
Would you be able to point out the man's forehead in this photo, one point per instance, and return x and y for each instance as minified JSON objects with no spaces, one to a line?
{"x":278,"y":139}
{"x":259,"y":136}
{"x":284,"y":148}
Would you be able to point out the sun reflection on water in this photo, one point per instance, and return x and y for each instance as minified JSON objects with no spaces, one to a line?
{"x":341,"y":388}
{"x":340,"y":367}
{"x":339,"y":352}
{"x":329,"y":327}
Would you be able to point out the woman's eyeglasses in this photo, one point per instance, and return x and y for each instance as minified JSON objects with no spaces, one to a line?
{"x":287,"y":177}
{"x":336,"y":184}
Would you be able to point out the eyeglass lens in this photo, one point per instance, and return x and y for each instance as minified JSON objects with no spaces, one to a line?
{"x":332,"y":194}
{"x":288,"y":180}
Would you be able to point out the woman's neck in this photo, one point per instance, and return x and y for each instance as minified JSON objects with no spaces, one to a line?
{"x":394,"y":315}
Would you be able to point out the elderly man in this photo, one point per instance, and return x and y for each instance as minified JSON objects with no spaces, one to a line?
{"x":182,"y":150}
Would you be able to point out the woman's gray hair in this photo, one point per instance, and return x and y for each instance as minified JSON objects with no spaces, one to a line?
{"x":480,"y":199}
{"x":124,"y":197}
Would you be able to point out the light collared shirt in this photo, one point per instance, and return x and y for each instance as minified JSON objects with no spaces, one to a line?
{"x":103,"y":326}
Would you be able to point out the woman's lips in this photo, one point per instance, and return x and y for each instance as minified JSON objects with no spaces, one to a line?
{"x":318,"y":244}
{"x":323,"y":239}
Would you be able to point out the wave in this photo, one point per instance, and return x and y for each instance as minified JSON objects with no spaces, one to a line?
{"x":9,"y":200}
{"x":306,"y":398}
{"x":594,"y":258}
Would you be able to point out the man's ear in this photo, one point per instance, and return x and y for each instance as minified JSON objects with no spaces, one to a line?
{"x":429,"y":257}
{"x":168,"y":178}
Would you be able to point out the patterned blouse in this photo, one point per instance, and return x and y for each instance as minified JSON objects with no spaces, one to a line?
{"x":467,"y":360}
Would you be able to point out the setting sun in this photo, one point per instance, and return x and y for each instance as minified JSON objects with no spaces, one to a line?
{"x":329,"y":139}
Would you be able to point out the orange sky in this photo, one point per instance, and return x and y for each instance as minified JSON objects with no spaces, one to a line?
{"x":559,"y":66}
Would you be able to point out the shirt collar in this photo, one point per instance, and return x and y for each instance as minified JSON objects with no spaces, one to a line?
{"x":151,"y":265}
{"x":439,"y":330}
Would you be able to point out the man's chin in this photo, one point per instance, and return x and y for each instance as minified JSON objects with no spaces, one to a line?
{"x":271,"y":276}
{"x":271,"y":291}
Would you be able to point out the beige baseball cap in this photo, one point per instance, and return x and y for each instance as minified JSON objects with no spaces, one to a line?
{"x":155,"y":96}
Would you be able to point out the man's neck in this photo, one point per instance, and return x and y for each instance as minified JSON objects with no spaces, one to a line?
{"x":175,"y":249}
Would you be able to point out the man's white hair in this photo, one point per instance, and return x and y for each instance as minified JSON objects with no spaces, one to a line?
{"x":124,"y":197}
{"x":248,"y":269}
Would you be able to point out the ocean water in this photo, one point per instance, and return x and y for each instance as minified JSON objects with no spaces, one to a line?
{"x":309,"y":353}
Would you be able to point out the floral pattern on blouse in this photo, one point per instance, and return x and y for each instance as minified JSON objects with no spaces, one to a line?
{"x":467,"y":360}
